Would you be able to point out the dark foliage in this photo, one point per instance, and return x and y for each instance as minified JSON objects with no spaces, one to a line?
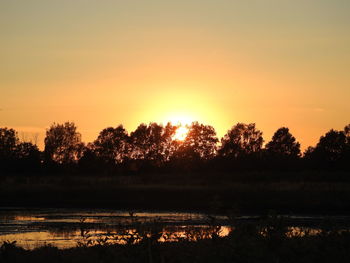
{"x":267,"y":241}
{"x":332,"y":151}
{"x":198,"y":148}
{"x":241,"y":140}
{"x":282,"y":151}
{"x":63,"y":144}
{"x":283,"y":144}
{"x":153,"y":148}
{"x":18,"y":156}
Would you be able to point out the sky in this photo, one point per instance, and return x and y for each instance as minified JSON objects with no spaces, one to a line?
{"x":103,"y":63}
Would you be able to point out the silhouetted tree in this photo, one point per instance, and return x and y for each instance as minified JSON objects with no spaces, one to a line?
{"x":17,"y":156}
{"x":153,"y":147}
{"x":347,"y":133}
{"x":111,"y":145}
{"x":152,"y":143}
{"x":241,"y":140}
{"x":347,"y":149}
{"x":145,"y":141}
{"x":8,"y":143}
{"x":197,"y":149}
{"x":308,"y":152}
{"x":332,"y":145}
{"x":283,"y":144}
{"x":201,"y":140}
{"x":90,"y":163}
{"x":28,"y":157}
{"x":169,"y":145}
{"x":330,"y":151}
{"x":63,"y":143}
{"x":27,"y":150}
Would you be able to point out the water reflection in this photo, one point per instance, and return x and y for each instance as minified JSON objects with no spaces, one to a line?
{"x":66,"y":239}
{"x":68,"y":228}
{"x":29,"y":218}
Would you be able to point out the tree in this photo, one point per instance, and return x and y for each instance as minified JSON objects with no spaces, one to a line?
{"x":331,"y":147}
{"x":144,"y":141}
{"x":309,"y":151}
{"x":111,"y":145}
{"x":347,"y":134}
{"x":241,"y":140}
{"x":63,"y":143}
{"x":169,"y":145}
{"x":8,"y":143}
{"x":152,"y":143}
{"x":27,"y":150}
{"x":283,"y":144}
{"x":28,"y":157}
{"x":200,"y":143}
{"x":16,"y":155}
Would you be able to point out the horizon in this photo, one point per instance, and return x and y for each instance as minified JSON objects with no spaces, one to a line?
{"x":180,"y":134}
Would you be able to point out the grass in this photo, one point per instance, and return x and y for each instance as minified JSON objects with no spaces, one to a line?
{"x":252,"y":193}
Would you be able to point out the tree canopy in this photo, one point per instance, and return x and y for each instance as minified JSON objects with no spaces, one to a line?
{"x":331,"y":146}
{"x":241,"y":140}
{"x":63,"y":143}
{"x":154,"y":146}
{"x":199,"y":144}
{"x":152,"y":143}
{"x":8,"y":143}
{"x":283,"y":144}
{"x":112,"y":144}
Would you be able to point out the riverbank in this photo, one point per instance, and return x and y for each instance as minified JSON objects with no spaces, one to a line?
{"x":219,"y":194}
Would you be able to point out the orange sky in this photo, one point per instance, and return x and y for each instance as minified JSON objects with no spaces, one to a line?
{"x":102,"y":63}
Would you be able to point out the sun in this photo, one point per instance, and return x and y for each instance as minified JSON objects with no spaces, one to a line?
{"x":180,"y":133}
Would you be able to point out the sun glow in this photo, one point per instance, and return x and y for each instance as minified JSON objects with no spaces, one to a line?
{"x":181,"y":133}
{"x":180,"y":120}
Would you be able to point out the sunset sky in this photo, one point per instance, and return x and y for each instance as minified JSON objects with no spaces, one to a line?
{"x":103,"y":63}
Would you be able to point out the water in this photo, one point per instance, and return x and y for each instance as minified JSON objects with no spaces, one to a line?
{"x":66,"y":228}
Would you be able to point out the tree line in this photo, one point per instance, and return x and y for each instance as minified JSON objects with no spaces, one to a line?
{"x":153,"y":147}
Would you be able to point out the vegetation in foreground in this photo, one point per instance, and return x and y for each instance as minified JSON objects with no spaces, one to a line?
{"x":268,"y":241}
